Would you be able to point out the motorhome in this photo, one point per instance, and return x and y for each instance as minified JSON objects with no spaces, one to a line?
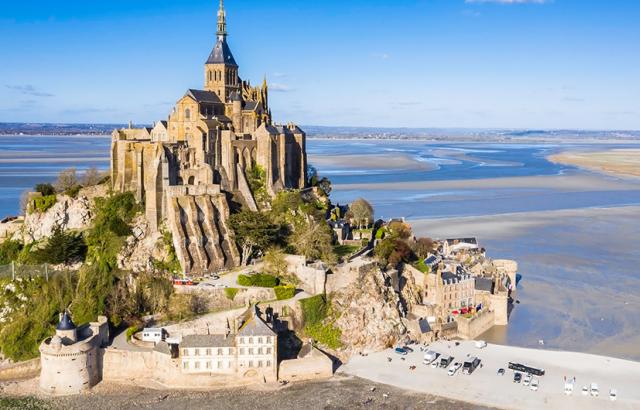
{"x":445,"y":361}
{"x":430,"y":356}
{"x":470,"y":365}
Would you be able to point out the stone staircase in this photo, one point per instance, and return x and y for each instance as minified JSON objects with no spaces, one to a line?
{"x":201,"y":236}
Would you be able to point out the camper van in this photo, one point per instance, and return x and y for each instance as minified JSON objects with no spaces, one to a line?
{"x":430,"y":356}
{"x":470,"y":365}
{"x":445,"y":361}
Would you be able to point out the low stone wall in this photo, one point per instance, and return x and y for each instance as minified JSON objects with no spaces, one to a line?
{"x":312,"y":278}
{"x":217,"y":299}
{"x":473,"y":327}
{"x":20,"y":371}
{"x":314,"y":366}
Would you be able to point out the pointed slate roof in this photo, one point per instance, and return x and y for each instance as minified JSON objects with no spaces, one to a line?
{"x":221,"y":53}
{"x":66,"y":323}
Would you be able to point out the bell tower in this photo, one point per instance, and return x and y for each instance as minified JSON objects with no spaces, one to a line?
{"x":221,"y":70}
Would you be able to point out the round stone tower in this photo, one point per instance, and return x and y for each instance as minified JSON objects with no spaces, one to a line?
{"x":69,"y":359}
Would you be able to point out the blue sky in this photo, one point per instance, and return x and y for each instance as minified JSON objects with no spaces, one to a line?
{"x":414,"y":63}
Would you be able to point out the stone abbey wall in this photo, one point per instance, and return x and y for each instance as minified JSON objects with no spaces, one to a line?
{"x":471,"y":328}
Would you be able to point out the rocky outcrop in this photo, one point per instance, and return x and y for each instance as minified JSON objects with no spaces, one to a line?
{"x":67,"y":213}
{"x":142,"y":248}
{"x":370,"y":312}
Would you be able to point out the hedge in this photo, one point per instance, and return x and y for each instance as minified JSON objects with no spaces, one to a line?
{"x":261,"y":280}
{"x":314,"y":309}
{"x":231,"y":293}
{"x":44,"y":203}
{"x":132,"y":331}
{"x":285,"y":292}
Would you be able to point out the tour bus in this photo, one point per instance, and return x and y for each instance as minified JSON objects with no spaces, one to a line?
{"x":526,"y":369}
{"x":470,"y":365}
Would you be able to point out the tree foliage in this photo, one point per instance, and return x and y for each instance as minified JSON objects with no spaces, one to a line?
{"x":9,"y":251}
{"x":45,"y":189}
{"x":422,"y":247}
{"x":360,"y":213}
{"x":275,"y":262}
{"x":61,"y":247}
{"x":255,"y":232}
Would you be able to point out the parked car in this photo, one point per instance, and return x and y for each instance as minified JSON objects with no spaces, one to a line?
{"x":594,"y":390}
{"x":401,"y":351}
{"x":613,"y":395}
{"x":568,"y":387}
{"x":517,"y":377}
{"x":453,"y":369}
{"x":435,"y":364}
{"x":585,"y":390}
{"x":408,"y":349}
{"x":501,"y":372}
{"x":527,"y":379}
{"x":534,"y":385}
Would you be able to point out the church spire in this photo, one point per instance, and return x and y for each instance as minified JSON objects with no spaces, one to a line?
{"x":222,"y":21}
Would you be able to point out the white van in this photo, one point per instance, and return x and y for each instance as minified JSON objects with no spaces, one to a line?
{"x":594,"y":389}
{"x":430,"y":356}
{"x":481,"y":344}
{"x":568,"y":388}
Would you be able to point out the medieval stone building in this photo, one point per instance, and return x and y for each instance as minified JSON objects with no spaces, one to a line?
{"x":187,"y":169}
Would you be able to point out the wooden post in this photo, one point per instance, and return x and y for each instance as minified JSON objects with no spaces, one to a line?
{"x":13,"y":271}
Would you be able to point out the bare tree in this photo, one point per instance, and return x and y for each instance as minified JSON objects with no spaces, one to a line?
{"x":67,"y":179}
{"x":24,"y":202}
{"x":92,"y":177}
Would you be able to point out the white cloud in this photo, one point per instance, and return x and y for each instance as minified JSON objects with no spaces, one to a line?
{"x":279,"y":87}
{"x":382,"y":56}
{"x":28,"y":89}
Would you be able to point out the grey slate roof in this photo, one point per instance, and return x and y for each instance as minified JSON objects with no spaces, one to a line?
{"x":250,"y":106}
{"x":66,"y":323}
{"x":207,"y":341}
{"x":162,"y":347}
{"x":470,"y":241}
{"x":256,"y":327}
{"x":221,"y":54}
{"x":484,"y":284}
{"x":202,"y":96}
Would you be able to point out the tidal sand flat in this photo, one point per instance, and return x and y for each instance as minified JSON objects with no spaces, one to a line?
{"x":623,"y":162}
{"x":485,"y":387}
{"x":580,"y":290}
{"x":571,"y":230}
{"x":337,"y":393}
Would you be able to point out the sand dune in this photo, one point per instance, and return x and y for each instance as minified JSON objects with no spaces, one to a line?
{"x":623,"y":162}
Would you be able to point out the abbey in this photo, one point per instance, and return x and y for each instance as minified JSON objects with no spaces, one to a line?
{"x":188,"y":169}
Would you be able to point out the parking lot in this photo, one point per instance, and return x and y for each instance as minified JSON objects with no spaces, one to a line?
{"x":485,"y":386}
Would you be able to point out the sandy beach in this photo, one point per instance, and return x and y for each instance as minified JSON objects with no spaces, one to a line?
{"x":485,"y":387}
{"x":385,"y":161}
{"x":622,"y":162}
{"x":571,"y":182}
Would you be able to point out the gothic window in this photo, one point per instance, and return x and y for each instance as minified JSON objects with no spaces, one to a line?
{"x":187,"y":114}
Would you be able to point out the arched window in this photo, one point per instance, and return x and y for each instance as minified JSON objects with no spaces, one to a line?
{"x":187,"y":114}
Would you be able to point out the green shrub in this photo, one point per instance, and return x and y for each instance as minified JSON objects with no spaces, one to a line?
{"x":132,"y":330}
{"x":345,"y":250}
{"x":231,"y":293}
{"x":9,"y":251}
{"x":73,"y":191}
{"x":314,"y":309}
{"x":43,"y":203}
{"x":62,"y":247}
{"x":325,"y":334}
{"x":421,"y":266}
{"x":285,"y":292}
{"x":261,"y":280}
{"x":45,"y":189}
